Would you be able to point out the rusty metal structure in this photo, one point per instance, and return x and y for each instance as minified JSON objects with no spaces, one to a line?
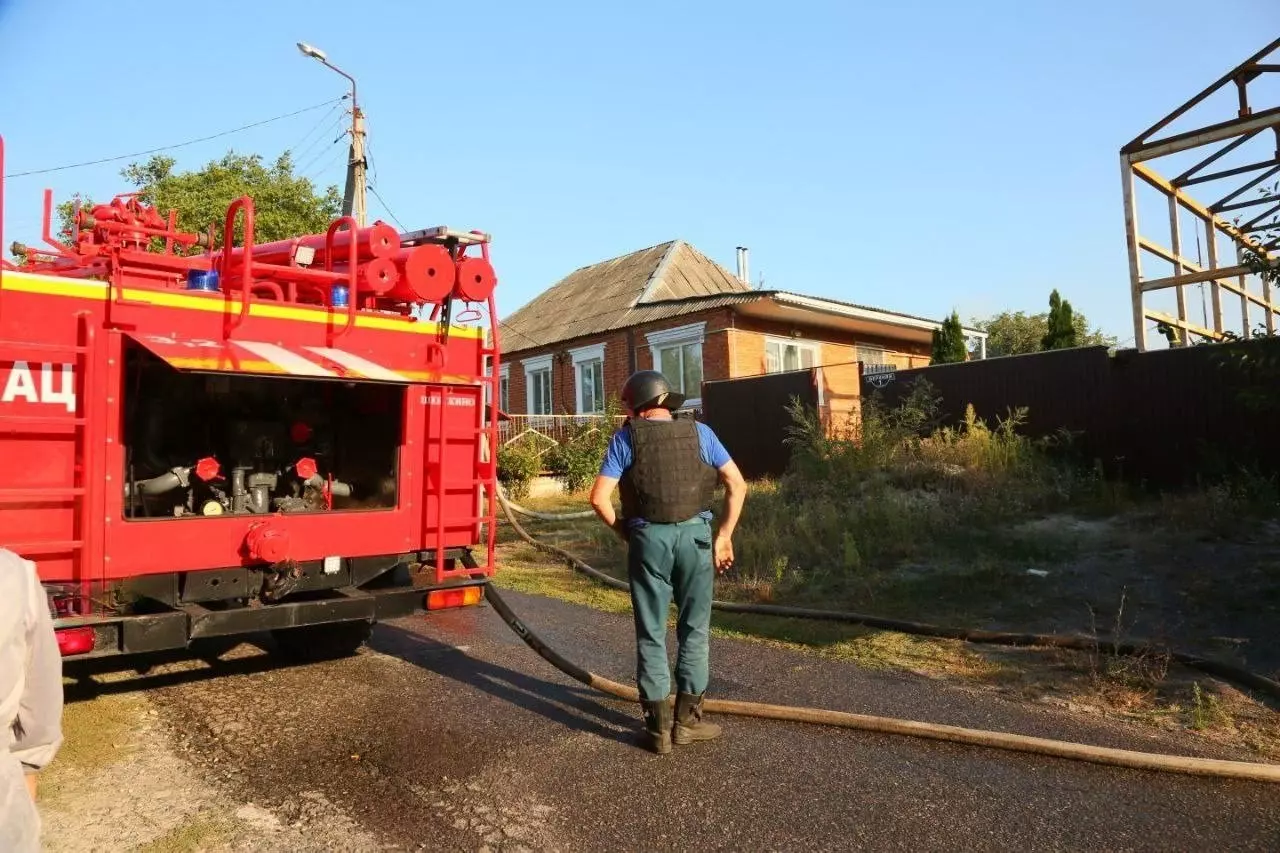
{"x":1213,"y":156}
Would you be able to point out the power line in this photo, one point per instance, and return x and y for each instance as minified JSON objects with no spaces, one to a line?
{"x":171,"y":147}
{"x":373,"y":188}
{"x":335,"y":127}
{"x":373,"y":165}
{"x":314,"y":175}
{"x":314,"y":128}
{"x":389,"y":211}
{"x":320,"y":153}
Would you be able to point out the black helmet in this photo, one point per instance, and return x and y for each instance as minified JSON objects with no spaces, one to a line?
{"x":648,"y":388}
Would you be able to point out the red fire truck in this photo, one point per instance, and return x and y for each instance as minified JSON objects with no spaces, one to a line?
{"x":203,"y":436}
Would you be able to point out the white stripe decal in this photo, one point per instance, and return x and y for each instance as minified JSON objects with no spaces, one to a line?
{"x":351,"y":361}
{"x":281,"y":357}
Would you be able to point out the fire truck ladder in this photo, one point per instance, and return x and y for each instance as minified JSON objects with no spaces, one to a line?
{"x":483,"y":472}
{"x":84,"y":492}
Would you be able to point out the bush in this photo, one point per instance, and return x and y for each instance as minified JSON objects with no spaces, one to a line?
{"x":518,"y":463}
{"x":576,"y":460}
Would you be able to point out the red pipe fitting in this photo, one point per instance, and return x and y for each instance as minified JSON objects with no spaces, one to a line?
{"x":267,"y":543}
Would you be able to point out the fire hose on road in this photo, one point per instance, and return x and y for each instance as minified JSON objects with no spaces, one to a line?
{"x":887,"y":725}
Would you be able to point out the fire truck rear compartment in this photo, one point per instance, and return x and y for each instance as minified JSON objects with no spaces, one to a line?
{"x":214,"y":444}
{"x":198,"y":445}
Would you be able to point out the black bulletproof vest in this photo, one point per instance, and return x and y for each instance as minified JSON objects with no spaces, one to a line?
{"x":667,"y":482}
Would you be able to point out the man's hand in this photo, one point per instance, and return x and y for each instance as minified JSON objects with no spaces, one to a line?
{"x":620,"y":527}
{"x":723,"y":552}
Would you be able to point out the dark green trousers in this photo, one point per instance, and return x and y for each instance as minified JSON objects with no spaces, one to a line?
{"x":671,"y":562}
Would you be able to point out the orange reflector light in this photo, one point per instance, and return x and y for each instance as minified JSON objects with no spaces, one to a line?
{"x":75,"y":641}
{"x":462,"y":596}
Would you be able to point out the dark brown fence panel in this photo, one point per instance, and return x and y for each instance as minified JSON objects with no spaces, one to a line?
{"x":1166,"y":417}
{"x":1186,"y":413}
{"x":750,"y":417}
{"x":1059,"y":389}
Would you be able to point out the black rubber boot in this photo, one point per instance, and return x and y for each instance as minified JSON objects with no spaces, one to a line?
{"x":689,"y":727}
{"x":657,"y":724}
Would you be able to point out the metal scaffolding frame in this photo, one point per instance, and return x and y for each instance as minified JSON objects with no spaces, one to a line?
{"x":1258,"y":237}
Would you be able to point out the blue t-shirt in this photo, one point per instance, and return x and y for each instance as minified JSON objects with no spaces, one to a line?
{"x":618,"y":458}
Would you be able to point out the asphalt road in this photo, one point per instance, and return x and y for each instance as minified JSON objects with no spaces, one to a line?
{"x":449,"y":734}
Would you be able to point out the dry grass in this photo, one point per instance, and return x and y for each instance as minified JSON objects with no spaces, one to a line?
{"x":96,"y":734}
{"x":202,"y":832}
{"x":1145,"y":691}
{"x":978,"y":526}
{"x":980,"y":577}
{"x":527,"y":570}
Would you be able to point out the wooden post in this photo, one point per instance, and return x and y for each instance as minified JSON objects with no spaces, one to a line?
{"x":1247,"y":333}
{"x":1175,"y":238}
{"x":1271,"y":311}
{"x":1215,"y":292}
{"x":1135,"y":264}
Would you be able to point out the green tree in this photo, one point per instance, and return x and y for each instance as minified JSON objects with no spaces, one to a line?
{"x":1268,"y":269}
{"x":1018,"y":333}
{"x":949,"y":342}
{"x":1061,"y":333}
{"x":285,"y":204}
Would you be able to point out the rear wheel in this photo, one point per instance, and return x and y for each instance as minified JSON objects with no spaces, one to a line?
{"x":321,"y":642}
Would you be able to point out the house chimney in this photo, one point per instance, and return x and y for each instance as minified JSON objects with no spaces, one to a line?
{"x":743,"y":275}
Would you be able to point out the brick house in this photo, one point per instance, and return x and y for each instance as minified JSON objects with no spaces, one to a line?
{"x":672,"y":308}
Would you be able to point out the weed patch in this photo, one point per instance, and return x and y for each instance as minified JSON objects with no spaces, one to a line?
{"x":977,"y":525}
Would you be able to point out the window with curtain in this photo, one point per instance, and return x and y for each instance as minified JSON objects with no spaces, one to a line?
{"x":872,"y":357}
{"x":677,"y":353}
{"x":682,"y":365}
{"x":781,"y":356}
{"x":591,"y":386}
{"x":539,"y":391}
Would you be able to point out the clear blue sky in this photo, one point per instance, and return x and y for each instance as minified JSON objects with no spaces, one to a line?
{"x":914,"y":156}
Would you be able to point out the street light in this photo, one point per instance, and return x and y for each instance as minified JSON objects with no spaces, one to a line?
{"x":353,"y":198}
{"x":313,"y":52}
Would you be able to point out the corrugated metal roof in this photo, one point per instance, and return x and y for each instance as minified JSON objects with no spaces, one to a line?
{"x":658,"y":283}
{"x":640,"y":287}
{"x":823,"y":303}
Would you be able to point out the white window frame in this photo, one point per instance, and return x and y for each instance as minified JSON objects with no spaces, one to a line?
{"x":582,"y":356}
{"x":814,"y":348}
{"x":484,"y":386}
{"x":537,"y":364}
{"x":681,"y":336}
{"x":504,"y":388}
{"x":876,"y":366}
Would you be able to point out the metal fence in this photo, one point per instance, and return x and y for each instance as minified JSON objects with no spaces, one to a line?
{"x":1165,"y":417}
{"x":548,"y":431}
{"x":751,"y":419}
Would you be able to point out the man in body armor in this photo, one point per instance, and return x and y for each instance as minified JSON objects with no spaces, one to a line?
{"x":666,"y":469}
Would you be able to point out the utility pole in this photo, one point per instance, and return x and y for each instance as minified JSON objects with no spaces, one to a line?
{"x":353,"y":198}
{"x":355,"y":193}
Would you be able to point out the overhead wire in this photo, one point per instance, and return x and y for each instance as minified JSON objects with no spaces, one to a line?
{"x":336,"y":127}
{"x":373,"y":188}
{"x":313,"y":174}
{"x":387,"y":208}
{"x":218,"y":135}
{"x":307,"y":136}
